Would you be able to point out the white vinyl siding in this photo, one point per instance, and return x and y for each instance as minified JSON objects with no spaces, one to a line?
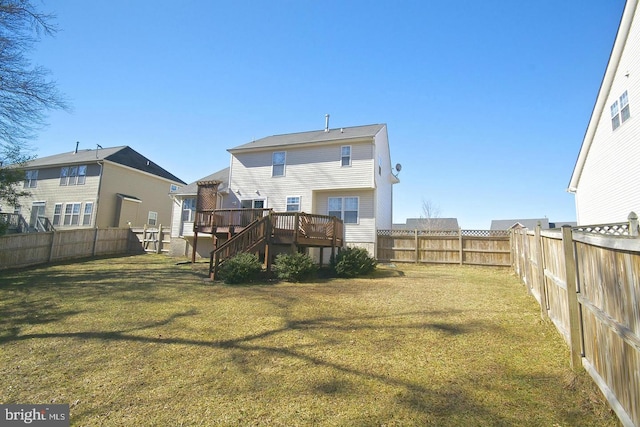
{"x":315,"y":173}
{"x":307,"y":170}
{"x":384,"y":185}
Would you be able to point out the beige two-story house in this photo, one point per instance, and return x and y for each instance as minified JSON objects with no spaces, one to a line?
{"x":102,"y":187}
{"x":344,"y":172}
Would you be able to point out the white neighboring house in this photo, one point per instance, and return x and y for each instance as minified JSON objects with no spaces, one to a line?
{"x":607,"y":172}
{"x":344,"y":172}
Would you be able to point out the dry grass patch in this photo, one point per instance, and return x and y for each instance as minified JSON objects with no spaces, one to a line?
{"x":143,"y":341}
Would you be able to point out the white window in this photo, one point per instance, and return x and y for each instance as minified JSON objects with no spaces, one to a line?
{"x":189,"y":209}
{"x":615,"y":116}
{"x":278,"y":162}
{"x":57,"y":214}
{"x":71,"y":214}
{"x":73,"y":175}
{"x":625,"y":113}
{"x":31,"y":179}
{"x":293,"y":204}
{"x":345,"y":153}
{"x":173,"y":188}
{"x":82,"y":174}
{"x":64,"y":176}
{"x":153,"y":218}
{"x":252,"y":204}
{"x":345,"y":208}
{"x":620,"y":111}
{"x":88,"y":211}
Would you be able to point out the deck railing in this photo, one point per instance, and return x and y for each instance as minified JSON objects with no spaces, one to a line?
{"x":299,"y":225}
{"x":250,"y":238}
{"x":208,"y":221}
{"x":15,"y":222}
{"x":289,"y":228}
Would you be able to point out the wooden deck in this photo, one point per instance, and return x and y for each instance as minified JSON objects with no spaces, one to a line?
{"x":255,"y":230}
{"x":286,"y":228}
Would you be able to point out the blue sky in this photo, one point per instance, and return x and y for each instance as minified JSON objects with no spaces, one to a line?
{"x":486,"y":102}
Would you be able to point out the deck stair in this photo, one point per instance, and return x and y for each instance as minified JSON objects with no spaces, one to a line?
{"x":290,"y":229}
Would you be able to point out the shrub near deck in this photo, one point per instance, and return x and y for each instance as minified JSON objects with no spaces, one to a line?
{"x":142,"y":341}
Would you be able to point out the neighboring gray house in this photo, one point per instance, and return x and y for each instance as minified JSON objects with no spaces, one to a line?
{"x":433,"y":224}
{"x":510,"y":224}
{"x":531,"y":223}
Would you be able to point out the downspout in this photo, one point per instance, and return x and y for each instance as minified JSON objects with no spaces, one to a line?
{"x":95,"y":218}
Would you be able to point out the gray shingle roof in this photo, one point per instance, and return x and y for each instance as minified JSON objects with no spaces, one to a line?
{"x":123,"y":155}
{"x":192,"y":188}
{"x":71,"y":157}
{"x":316,"y":136}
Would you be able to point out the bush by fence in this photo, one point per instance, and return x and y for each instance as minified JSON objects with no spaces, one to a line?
{"x":587,"y":282}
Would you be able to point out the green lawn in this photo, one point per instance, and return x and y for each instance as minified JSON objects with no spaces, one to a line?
{"x":141,"y":341}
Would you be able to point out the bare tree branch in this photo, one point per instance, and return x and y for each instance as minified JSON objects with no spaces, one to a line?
{"x":26,"y":94}
{"x":430,"y":212}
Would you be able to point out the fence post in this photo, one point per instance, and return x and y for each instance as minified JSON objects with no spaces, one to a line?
{"x":95,"y":241}
{"x":417,"y":253}
{"x":460,"y":244}
{"x":633,"y":224}
{"x":572,"y":296}
{"x":540,"y":264}
{"x":52,"y":247}
{"x":159,"y":245}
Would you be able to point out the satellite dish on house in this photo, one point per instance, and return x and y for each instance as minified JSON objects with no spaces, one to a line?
{"x":398,"y":167}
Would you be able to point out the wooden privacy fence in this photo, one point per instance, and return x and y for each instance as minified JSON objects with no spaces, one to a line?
{"x":587,"y":282}
{"x":25,"y":249}
{"x":471,"y":247}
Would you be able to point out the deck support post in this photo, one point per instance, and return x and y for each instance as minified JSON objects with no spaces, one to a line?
{"x":267,"y":245}
{"x":195,"y":246}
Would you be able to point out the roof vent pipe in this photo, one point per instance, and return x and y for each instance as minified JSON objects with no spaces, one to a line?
{"x":77,"y":144}
{"x":326,"y":123}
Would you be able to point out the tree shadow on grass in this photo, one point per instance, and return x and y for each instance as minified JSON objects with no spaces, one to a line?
{"x":417,"y":397}
{"x":437,"y":404}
